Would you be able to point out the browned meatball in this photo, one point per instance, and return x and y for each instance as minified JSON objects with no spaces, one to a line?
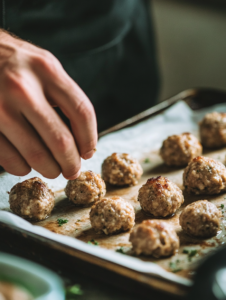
{"x":213,"y":130}
{"x":31,"y":199}
{"x":178,"y":150}
{"x":160,"y":197}
{"x":154,"y":237}
{"x":111,"y":215}
{"x":88,"y":188}
{"x":200,"y":219}
{"x":204,"y":175}
{"x":121,"y":169}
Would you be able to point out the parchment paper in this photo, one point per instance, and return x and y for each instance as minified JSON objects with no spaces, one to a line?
{"x":137,"y":140}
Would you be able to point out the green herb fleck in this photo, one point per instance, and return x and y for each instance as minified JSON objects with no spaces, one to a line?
{"x":147,"y":160}
{"x":222,"y":212}
{"x":93,"y":242}
{"x":78,"y":220}
{"x":222,"y":206}
{"x":190,"y":252}
{"x":61,"y":221}
{"x":120,"y":250}
{"x":73,"y":290}
{"x":174,"y":268}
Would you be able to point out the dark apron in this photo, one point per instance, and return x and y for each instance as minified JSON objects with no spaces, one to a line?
{"x":106,"y":46}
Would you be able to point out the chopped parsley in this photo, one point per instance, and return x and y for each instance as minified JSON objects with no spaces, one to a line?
{"x":222,"y":206}
{"x":73,"y":290}
{"x":147,"y":160}
{"x":190,"y":252}
{"x":93,"y":242}
{"x":120,"y":250}
{"x":173,"y":267}
{"x":78,"y":220}
{"x":61,"y":221}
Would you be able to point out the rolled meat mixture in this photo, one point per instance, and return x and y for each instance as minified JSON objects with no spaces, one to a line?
{"x":213,"y":130}
{"x":160,"y":197}
{"x":154,"y":237}
{"x":112,"y":215}
{"x":88,"y":188}
{"x":121,"y":169}
{"x":179,"y":150}
{"x":204,"y":175}
{"x":31,"y":199}
{"x":200,"y":219}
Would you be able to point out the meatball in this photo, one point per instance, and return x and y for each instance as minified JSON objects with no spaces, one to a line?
{"x":112,"y":215}
{"x":204,"y":175}
{"x":31,"y":199}
{"x":213,"y":130}
{"x":154,"y":237}
{"x":86,"y":189}
{"x":121,"y":169}
{"x":160,"y":197}
{"x":200,"y":219}
{"x":178,"y":150}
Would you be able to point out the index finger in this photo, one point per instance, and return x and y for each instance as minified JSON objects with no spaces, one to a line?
{"x":66,"y":94}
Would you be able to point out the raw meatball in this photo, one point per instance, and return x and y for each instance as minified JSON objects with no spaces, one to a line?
{"x":156,"y":238}
{"x":213,"y":130}
{"x":160,"y":197}
{"x":201,"y":219}
{"x":31,"y":199}
{"x":178,"y":150}
{"x":86,"y":189}
{"x":112,"y":215}
{"x":121,"y":169}
{"x":204,"y":175}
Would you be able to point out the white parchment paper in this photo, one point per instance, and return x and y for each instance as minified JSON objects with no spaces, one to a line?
{"x":137,"y":140}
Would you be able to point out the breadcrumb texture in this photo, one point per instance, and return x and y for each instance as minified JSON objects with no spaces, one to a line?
{"x":31,"y":199}
{"x":179,"y":150}
{"x":213,"y":130}
{"x":88,"y":188}
{"x":204,"y":175}
{"x":112,"y":215}
{"x":200,"y":219}
{"x":154,"y":237}
{"x":160,"y":197}
{"x":121,"y":169}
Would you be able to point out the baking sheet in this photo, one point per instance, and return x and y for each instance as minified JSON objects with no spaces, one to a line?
{"x":142,"y":141}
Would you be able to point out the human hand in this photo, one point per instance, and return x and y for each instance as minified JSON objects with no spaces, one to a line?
{"x":32,"y":135}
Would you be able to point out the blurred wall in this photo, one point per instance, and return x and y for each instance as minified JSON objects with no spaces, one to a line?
{"x":191,"y":45}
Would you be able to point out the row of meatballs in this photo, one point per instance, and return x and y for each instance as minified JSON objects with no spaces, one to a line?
{"x":158,"y":197}
{"x":179,"y":150}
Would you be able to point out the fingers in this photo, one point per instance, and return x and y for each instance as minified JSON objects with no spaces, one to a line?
{"x":53,"y":132}
{"x":82,"y":117}
{"x":29,"y":146}
{"x":11,"y":160}
{"x":74,"y":103}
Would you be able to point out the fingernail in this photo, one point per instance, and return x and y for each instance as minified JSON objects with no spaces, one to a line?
{"x":74,"y":176}
{"x":89,"y":154}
